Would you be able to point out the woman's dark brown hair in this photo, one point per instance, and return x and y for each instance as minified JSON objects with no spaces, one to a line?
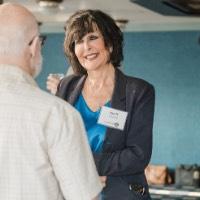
{"x":85,"y":21}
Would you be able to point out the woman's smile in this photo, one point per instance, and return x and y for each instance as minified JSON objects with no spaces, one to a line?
{"x":91,"y":56}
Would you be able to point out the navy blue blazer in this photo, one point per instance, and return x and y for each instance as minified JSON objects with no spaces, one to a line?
{"x":126,"y":152}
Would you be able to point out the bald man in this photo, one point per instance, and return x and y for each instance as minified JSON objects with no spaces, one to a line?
{"x":44,"y":154}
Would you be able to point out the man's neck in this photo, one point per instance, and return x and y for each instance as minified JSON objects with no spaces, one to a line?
{"x":21,"y":63}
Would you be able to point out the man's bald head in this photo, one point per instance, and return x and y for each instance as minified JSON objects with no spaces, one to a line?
{"x":18,"y":25}
{"x":19,"y":38}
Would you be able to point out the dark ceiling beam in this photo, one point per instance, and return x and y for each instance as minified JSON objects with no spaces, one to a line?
{"x":171,"y":7}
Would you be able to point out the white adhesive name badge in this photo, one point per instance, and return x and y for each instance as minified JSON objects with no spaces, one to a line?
{"x":112,"y":117}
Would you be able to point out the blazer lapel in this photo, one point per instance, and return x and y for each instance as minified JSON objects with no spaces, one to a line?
{"x":118,"y":101}
{"x":76,"y":90}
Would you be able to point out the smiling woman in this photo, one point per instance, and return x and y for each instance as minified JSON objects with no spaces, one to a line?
{"x":94,"y":27}
{"x":117,"y":110}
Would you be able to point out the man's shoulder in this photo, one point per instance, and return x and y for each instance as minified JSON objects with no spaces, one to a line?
{"x":50,"y":101}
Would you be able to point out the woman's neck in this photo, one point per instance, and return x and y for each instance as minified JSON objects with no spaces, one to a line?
{"x":99,"y":86}
{"x":101,"y":77}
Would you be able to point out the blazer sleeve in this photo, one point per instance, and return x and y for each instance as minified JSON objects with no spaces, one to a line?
{"x":136,"y":154}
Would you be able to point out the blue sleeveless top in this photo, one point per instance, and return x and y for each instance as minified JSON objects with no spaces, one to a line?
{"x":95,"y":132}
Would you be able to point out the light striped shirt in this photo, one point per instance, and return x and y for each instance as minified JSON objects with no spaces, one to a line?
{"x":44,"y":153}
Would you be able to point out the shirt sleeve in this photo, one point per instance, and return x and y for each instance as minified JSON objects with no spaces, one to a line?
{"x":70,"y":154}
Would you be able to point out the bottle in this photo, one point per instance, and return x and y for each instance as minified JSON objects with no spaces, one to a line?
{"x":196,"y":178}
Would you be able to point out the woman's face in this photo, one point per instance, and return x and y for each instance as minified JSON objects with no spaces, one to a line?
{"x":91,"y":51}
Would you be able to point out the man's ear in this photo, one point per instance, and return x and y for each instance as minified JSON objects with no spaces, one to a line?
{"x":34,"y":47}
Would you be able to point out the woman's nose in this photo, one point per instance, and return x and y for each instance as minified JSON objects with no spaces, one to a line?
{"x":87,"y":45}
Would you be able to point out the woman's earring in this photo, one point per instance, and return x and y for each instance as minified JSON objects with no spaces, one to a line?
{"x":110,"y":49}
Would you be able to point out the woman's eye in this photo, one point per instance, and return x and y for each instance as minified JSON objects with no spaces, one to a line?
{"x":93,"y":37}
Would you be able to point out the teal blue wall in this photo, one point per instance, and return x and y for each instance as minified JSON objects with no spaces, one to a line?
{"x":53,"y":58}
{"x":171,"y":62}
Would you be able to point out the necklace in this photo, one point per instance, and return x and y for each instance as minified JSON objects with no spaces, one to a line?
{"x":97,"y":95}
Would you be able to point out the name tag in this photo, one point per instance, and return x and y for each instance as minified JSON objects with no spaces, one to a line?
{"x":112,"y":118}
